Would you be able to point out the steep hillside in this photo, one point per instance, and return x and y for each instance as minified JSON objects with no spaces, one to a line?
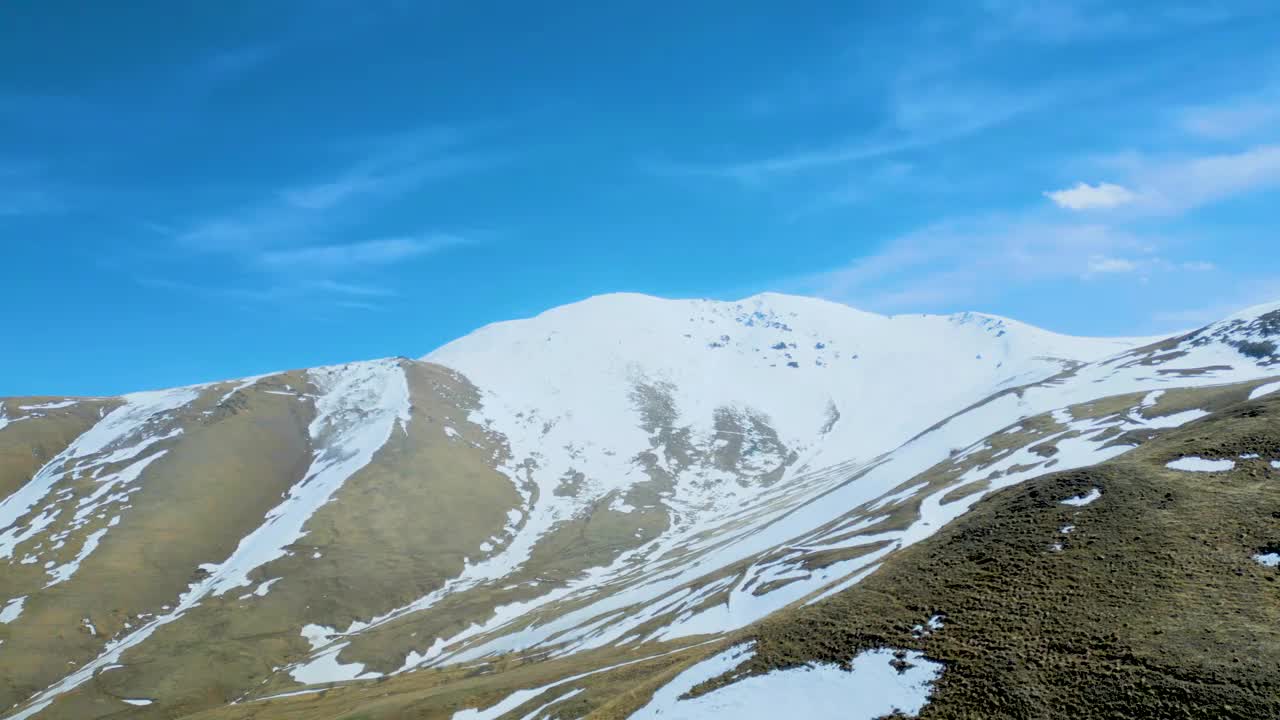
{"x":1142,"y":587}
{"x":609,"y":482}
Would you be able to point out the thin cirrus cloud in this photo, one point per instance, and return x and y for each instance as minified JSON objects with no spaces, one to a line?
{"x":370,"y":253}
{"x":1159,"y":186}
{"x":299,"y":241}
{"x":1068,"y":21}
{"x":386,"y":168}
{"x":918,"y":114}
{"x":964,"y":260}
{"x":1226,"y":121}
{"x":1101,"y":264}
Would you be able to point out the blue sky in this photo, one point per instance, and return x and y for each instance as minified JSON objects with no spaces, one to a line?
{"x":212,"y":190}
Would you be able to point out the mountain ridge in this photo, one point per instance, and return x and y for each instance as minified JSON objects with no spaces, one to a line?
{"x":579,"y":482}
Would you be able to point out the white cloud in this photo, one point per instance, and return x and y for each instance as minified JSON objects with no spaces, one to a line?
{"x":1084,"y":196}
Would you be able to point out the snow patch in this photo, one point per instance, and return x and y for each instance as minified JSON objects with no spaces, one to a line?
{"x":264,"y":587}
{"x":12,"y":609}
{"x":874,"y":688}
{"x":1269,"y":559}
{"x":1264,"y":390}
{"x":1082,"y":500}
{"x":325,"y":668}
{"x":1199,"y":464}
{"x":49,"y":406}
{"x":358,"y":406}
{"x":1174,"y":420}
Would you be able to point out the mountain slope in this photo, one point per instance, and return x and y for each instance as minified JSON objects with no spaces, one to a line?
{"x":1133,"y":588}
{"x":613,"y":478}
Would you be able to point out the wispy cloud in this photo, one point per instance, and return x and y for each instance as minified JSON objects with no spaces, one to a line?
{"x":354,"y":290}
{"x":320,"y":208}
{"x":1249,"y":292}
{"x":356,"y":255}
{"x":25,"y":191}
{"x":1233,"y":119}
{"x":1170,"y":185}
{"x":346,"y":295}
{"x":310,"y":238}
{"x":958,"y":261}
{"x":1173,"y":185}
{"x":979,"y":258}
{"x":1072,"y":21}
{"x":1103,"y":265}
{"x":234,"y":61}
{"x":919,"y":115}
{"x":1057,"y":21}
{"x":1084,"y":196}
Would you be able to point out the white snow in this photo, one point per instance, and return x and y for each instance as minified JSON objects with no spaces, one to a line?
{"x":12,"y":609}
{"x":240,"y":385}
{"x":1198,"y":464}
{"x":1082,"y":500}
{"x":325,"y":668}
{"x":1173,"y":420}
{"x":932,"y":625}
{"x":1275,"y":464}
{"x":621,"y":598}
{"x":1269,"y":559}
{"x":137,"y":701}
{"x":562,"y":387}
{"x":872,"y":689}
{"x":295,"y":693}
{"x":265,"y":587}
{"x":1264,"y":390}
{"x":62,"y":573}
{"x":569,"y":404}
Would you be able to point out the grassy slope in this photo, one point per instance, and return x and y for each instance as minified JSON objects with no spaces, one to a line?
{"x":172,"y":524}
{"x":1153,"y":607}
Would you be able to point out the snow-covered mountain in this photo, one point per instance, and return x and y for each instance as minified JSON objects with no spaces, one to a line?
{"x":611,"y":478}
